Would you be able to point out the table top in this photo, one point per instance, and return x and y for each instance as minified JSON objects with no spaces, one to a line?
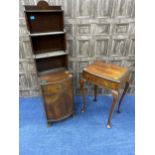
{"x":107,"y":71}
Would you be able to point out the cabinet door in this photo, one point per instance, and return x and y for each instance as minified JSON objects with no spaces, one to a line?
{"x":58,"y":100}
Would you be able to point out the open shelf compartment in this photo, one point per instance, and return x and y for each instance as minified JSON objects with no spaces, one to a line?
{"x":48,"y":21}
{"x":44,"y":44}
{"x":46,"y":64}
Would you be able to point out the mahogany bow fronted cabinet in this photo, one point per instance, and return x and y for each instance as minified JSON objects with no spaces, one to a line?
{"x":58,"y":95}
{"x":47,"y":36}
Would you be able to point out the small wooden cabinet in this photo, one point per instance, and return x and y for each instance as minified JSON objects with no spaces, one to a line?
{"x":47,"y":36}
{"x":58,"y":95}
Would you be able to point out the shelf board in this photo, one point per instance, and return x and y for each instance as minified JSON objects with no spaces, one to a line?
{"x":46,"y":33}
{"x":51,"y":71}
{"x":43,"y":10}
{"x":49,"y":54}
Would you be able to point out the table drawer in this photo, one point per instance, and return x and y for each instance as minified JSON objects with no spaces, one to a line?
{"x":100,"y":81}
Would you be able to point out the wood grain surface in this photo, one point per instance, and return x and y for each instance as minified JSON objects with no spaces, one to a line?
{"x":57,"y":89}
{"x":106,"y":70}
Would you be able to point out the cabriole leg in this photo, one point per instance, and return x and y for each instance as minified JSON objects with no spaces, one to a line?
{"x":115,"y":99}
{"x":123,"y":94}
{"x":82,"y":81}
{"x":95,"y":92}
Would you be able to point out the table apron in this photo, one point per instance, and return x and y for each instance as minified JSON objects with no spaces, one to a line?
{"x":100,"y":81}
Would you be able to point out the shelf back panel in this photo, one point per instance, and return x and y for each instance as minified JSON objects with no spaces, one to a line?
{"x":41,"y":7}
{"x":44,"y":21}
{"x":51,"y":63}
{"x":42,"y":44}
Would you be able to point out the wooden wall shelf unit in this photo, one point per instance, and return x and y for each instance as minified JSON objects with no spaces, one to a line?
{"x":47,"y":36}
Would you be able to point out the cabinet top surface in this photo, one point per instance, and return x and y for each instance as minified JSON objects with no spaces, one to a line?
{"x":55,"y":76}
{"x":108,"y":71}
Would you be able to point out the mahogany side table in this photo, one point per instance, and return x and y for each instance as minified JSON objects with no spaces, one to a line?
{"x":109,"y":76}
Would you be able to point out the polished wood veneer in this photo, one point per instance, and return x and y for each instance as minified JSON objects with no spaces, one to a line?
{"x":110,"y":76}
{"x":58,"y":95}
